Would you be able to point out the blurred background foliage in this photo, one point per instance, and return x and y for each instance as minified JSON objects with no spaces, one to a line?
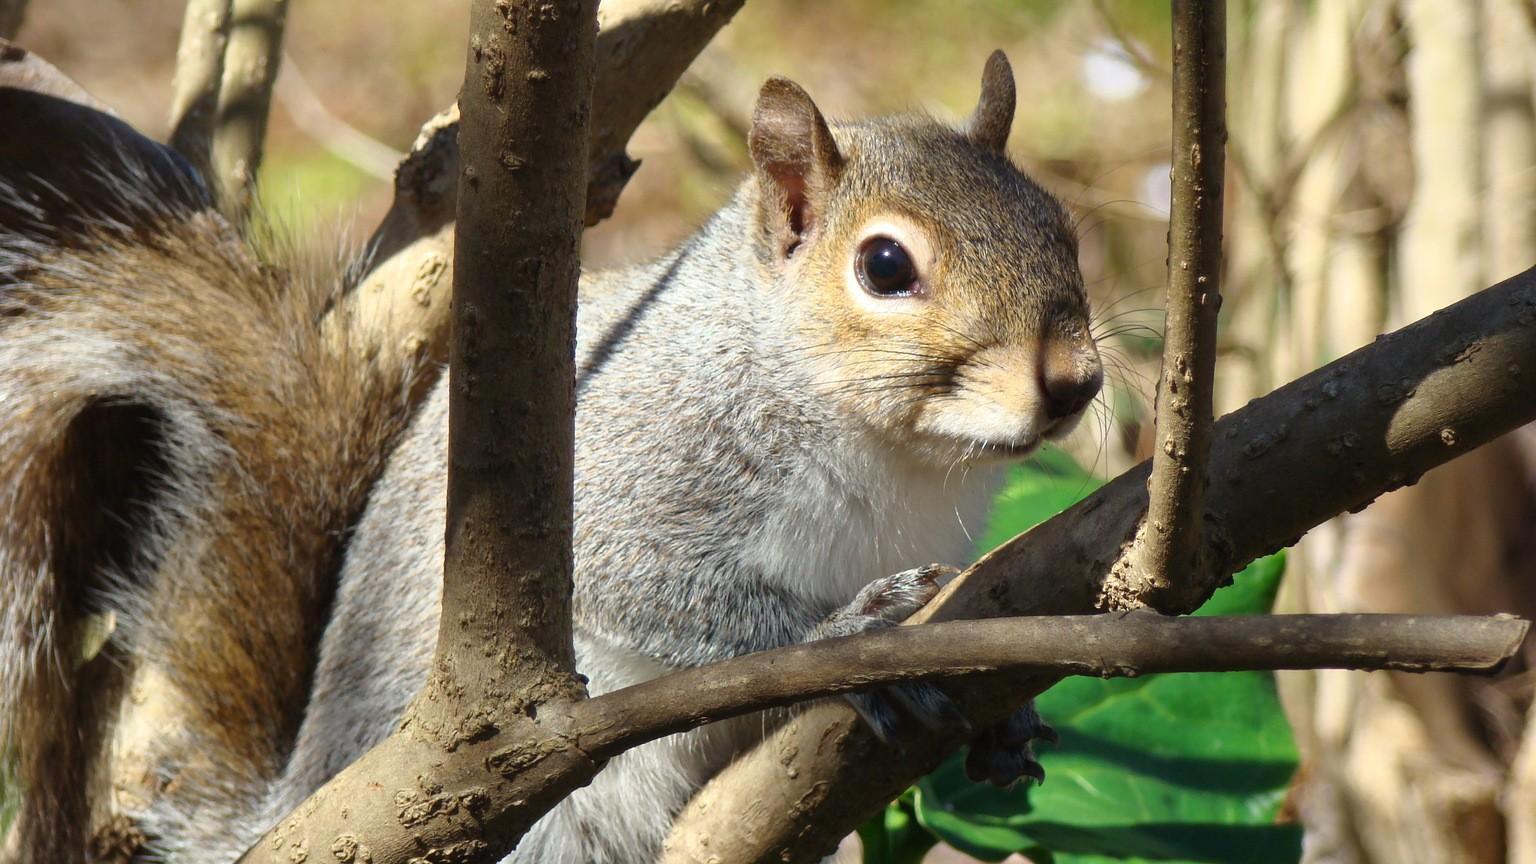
{"x":1382,"y":164}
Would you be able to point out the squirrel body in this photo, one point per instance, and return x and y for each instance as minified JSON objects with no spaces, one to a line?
{"x":819,"y":389}
{"x":778,"y":516}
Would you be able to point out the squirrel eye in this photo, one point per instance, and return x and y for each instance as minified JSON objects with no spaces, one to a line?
{"x":885,"y":268}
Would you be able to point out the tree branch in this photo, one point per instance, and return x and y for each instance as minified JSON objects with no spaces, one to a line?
{"x":1129,"y":643}
{"x":1115,"y":645}
{"x":195,"y":87}
{"x":1329,"y":442}
{"x":1169,"y":538}
{"x":526,"y":98}
{"x":399,"y":310}
{"x":503,"y":677}
{"x":249,"y":67}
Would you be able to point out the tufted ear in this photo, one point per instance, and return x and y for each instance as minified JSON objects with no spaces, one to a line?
{"x":993,"y":118}
{"x":796,"y":157}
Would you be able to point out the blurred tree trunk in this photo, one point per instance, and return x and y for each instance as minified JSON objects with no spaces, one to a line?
{"x":1391,"y":162}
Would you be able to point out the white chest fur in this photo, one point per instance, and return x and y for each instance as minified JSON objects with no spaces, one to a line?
{"x":846,"y":518}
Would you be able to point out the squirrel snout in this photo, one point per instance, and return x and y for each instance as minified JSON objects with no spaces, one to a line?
{"x":1070,"y":376}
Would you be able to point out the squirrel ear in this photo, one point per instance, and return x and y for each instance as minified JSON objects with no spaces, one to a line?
{"x":993,"y":118}
{"x":794,"y":150}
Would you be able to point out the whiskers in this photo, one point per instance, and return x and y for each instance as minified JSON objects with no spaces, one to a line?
{"x":917,"y":376}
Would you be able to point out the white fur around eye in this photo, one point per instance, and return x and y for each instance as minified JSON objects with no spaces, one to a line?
{"x":915,"y":241}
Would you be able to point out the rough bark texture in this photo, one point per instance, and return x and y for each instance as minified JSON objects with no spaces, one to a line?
{"x":195,"y":89}
{"x":1327,"y":443}
{"x":400,"y":307}
{"x":251,"y":56}
{"x":511,"y":411}
{"x":466,"y":774}
{"x":1168,"y":542}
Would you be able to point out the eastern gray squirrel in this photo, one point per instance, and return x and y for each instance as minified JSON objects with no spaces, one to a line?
{"x":776,"y":421}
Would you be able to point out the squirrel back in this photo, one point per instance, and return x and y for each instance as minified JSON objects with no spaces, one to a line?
{"x":181,"y":457}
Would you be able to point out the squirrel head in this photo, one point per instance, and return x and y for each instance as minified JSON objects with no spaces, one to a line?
{"x":934,"y":287}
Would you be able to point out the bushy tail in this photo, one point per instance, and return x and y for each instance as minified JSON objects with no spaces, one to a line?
{"x":181,"y":454}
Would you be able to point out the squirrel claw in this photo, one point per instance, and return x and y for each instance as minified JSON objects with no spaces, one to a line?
{"x":921,"y":701}
{"x":886,"y":602}
{"x":1004,"y":754}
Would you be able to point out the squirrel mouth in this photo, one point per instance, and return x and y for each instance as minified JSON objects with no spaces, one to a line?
{"x":1008,"y":450}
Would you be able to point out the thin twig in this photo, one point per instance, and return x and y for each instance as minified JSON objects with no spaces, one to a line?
{"x":1131,"y":48}
{"x":1166,"y":549}
{"x":346,"y":141}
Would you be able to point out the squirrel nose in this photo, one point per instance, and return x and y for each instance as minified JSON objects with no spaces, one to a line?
{"x":1070,"y":376}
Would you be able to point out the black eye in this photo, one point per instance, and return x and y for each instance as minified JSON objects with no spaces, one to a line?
{"x":885,"y":268}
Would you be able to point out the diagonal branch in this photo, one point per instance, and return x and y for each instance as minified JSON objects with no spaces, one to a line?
{"x":398,"y":311}
{"x":1327,"y":443}
{"x":1165,"y":549}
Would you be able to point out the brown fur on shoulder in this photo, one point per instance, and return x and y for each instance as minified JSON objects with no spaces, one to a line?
{"x":181,"y":452}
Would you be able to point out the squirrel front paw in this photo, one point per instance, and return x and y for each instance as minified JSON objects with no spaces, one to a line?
{"x":886,"y":602}
{"x":1005,"y":754}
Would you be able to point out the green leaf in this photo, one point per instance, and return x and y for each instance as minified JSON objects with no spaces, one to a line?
{"x":1166,"y":768}
{"x":894,"y":837}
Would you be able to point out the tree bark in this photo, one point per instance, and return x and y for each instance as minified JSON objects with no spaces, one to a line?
{"x":1167,"y":544}
{"x":503,"y":677}
{"x":251,"y":56}
{"x":195,"y":88}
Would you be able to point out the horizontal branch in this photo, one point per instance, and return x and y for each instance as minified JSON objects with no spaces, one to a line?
{"x":1327,"y":443}
{"x":1123,"y":644}
{"x":530,"y":762}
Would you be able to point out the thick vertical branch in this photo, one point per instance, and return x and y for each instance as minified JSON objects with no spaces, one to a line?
{"x":476,"y":759}
{"x":245,"y":97}
{"x":525,"y":103}
{"x":1167,"y":545}
{"x":195,"y":89}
